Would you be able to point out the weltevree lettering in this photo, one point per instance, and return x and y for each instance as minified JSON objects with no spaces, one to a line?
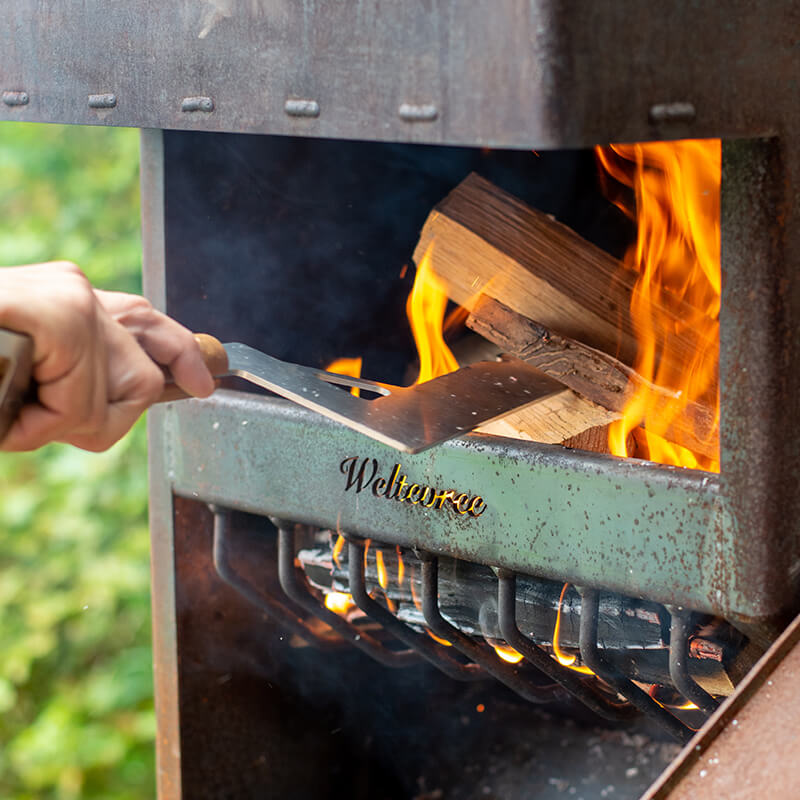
{"x":362,"y":474}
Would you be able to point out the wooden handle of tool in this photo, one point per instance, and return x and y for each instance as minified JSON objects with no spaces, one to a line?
{"x":216,"y":360}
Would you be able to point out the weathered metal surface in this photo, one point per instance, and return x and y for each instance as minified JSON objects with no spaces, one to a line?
{"x":162,"y":562}
{"x":748,"y":748}
{"x":488,"y":72}
{"x":760,"y":366}
{"x":643,"y":530}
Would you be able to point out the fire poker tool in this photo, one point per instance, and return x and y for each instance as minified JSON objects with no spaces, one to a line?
{"x":409,"y":419}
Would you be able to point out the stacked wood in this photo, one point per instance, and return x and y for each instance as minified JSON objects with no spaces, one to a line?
{"x":560,"y":417}
{"x":597,"y":376}
{"x":546,"y":295}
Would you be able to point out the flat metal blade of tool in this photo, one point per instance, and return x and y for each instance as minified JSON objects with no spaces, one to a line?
{"x":409,"y":419}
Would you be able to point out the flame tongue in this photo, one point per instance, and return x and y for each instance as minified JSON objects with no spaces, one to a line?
{"x":676,"y":188}
{"x":425,"y":307}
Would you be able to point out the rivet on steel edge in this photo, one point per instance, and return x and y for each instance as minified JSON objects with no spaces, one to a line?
{"x":414,"y":113}
{"x":672,"y":112}
{"x":301,"y":108}
{"x":106,"y":100}
{"x":197,"y":104}
{"x":16,"y":98}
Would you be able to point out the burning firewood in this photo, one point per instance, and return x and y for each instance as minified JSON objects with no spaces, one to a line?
{"x":597,"y":376}
{"x":481,"y":240}
{"x":562,"y":303}
{"x":631,"y":631}
{"x":561,"y":417}
{"x":558,"y":418}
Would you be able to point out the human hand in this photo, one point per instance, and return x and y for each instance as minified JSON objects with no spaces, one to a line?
{"x":96,"y":356}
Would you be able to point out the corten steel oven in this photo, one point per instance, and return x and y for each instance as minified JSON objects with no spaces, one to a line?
{"x":292,"y":240}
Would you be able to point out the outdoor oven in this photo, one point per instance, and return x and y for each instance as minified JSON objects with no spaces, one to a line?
{"x":290,"y":153}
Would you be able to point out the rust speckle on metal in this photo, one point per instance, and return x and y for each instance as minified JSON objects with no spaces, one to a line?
{"x":105,"y":100}
{"x":199,"y":103}
{"x":301,"y":108}
{"x":418,"y":113}
{"x":16,"y":98}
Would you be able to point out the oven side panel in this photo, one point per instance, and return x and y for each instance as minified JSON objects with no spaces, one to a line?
{"x":162,"y":557}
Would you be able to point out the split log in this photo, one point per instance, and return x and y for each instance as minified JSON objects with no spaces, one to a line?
{"x":595,"y":375}
{"x":593,"y":439}
{"x":561,"y":417}
{"x":481,"y":240}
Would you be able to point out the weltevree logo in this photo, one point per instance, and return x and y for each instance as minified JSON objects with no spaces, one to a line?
{"x":361,"y":474}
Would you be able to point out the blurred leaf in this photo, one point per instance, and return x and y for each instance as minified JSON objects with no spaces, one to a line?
{"x":76,"y":708}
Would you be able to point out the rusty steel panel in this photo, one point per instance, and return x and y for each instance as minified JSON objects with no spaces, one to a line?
{"x":760,"y":365}
{"x":748,"y":748}
{"x":515,"y":73}
{"x":642,"y":529}
{"x":162,"y":532}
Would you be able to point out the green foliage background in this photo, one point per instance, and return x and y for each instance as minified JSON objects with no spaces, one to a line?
{"x":76,"y":708}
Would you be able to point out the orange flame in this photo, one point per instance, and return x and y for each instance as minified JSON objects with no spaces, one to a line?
{"x":401,"y":567}
{"x":383,"y":580}
{"x":676,"y":188}
{"x":351,"y":367}
{"x":437,"y":638}
{"x":507,"y":653}
{"x":425,"y":308}
{"x":687,"y":705}
{"x":563,"y":658}
{"x":340,"y":603}
{"x":337,"y":550}
{"x":367,"y":543}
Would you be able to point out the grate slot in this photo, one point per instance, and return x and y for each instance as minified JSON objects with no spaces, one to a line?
{"x":509,"y":675}
{"x":298,"y":592}
{"x":578,"y":687}
{"x":614,"y":678}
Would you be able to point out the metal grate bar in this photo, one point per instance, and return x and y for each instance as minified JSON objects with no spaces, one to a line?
{"x":269,"y":605}
{"x":506,"y":615}
{"x":426,"y":647}
{"x":679,"y":663}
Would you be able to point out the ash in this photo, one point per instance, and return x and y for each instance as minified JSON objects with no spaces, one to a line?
{"x":558,"y":757}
